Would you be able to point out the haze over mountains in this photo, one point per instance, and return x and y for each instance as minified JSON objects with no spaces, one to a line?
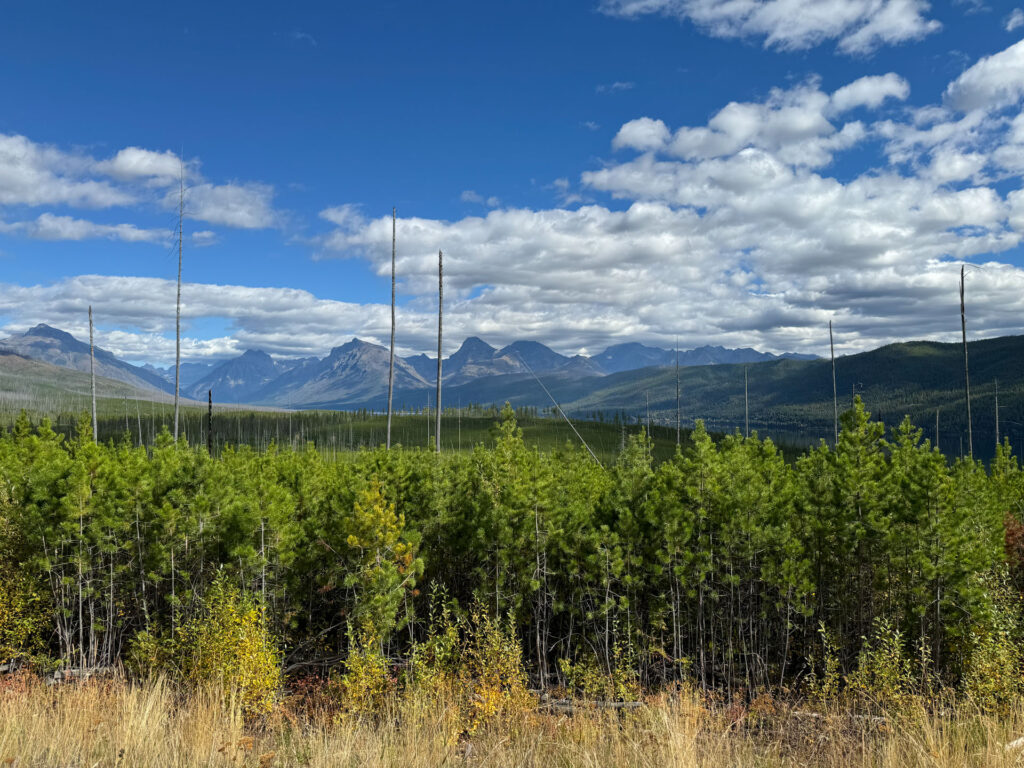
{"x":355,"y":374}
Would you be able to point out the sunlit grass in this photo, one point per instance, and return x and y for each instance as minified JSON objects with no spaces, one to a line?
{"x":116,"y":724}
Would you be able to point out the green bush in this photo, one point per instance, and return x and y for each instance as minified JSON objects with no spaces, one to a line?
{"x":992,"y":677}
{"x":884,"y":675}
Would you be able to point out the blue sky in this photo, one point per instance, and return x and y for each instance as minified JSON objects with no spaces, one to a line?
{"x":596,"y":171}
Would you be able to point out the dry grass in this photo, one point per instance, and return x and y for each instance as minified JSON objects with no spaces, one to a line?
{"x":113,"y":724}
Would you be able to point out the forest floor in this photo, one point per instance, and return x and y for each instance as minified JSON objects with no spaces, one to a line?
{"x":112,"y":723}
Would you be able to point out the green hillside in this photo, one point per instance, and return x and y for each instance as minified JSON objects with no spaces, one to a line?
{"x":791,"y":400}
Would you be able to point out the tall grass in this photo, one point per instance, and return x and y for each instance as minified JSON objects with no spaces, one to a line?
{"x":116,"y":724}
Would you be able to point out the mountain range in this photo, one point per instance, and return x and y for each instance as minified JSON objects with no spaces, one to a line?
{"x":355,"y":374}
{"x":786,"y":398}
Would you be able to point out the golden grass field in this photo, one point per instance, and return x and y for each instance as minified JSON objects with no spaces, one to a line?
{"x":112,"y":723}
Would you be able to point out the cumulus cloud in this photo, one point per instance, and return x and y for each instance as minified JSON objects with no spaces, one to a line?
{"x":794,"y":124}
{"x":993,"y":82}
{"x":135,"y":163}
{"x":870,"y":92}
{"x":730,"y":232}
{"x":40,"y":175}
{"x":858,"y":26}
{"x":140,"y":311}
{"x":643,"y":134}
{"x":50,"y":227}
{"x":736,"y":225}
{"x":240,"y":205}
{"x":37,"y":174}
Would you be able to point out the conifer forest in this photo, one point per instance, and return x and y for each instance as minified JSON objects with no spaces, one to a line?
{"x":724,"y":564}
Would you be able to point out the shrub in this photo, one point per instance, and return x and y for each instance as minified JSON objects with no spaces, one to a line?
{"x":230,"y":645}
{"x":434,"y":663}
{"x":367,"y":681}
{"x":593,"y":682}
{"x":823,"y":682}
{"x":992,"y":675}
{"x":492,"y":670}
{"x":884,"y":675}
{"x":24,"y":611}
{"x":149,"y":654}
{"x":23,"y":617}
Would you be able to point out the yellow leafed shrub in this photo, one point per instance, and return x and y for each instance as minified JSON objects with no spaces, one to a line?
{"x":230,"y":645}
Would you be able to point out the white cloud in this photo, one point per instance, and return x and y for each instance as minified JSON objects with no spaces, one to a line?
{"x":795,"y":125}
{"x":870,"y":92}
{"x":1014,"y":21}
{"x":730,"y":232}
{"x":135,"y":317}
{"x":858,"y":26}
{"x":994,"y":82}
{"x":737,"y":222}
{"x":643,"y":134}
{"x":615,"y":87}
{"x":37,"y":174}
{"x":471,"y":196}
{"x":135,"y":163}
{"x":50,"y":227}
{"x":204,"y":238}
{"x":241,"y":205}
{"x":304,"y":37}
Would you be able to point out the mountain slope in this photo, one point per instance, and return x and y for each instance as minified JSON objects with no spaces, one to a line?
{"x":239,"y":379}
{"x":56,"y":347}
{"x":354,"y":372}
{"x":792,"y":399}
{"x":632,"y":356}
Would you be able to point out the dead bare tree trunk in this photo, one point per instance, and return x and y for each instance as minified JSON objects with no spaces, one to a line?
{"x":209,"y":422}
{"x":177,"y":313}
{"x":678,"y":420}
{"x":835,"y":394}
{"x":967,"y":375}
{"x":138,"y":416}
{"x":746,"y":405}
{"x":391,"y":360}
{"x":92,"y":377}
{"x":997,"y":413}
{"x":440,"y":314}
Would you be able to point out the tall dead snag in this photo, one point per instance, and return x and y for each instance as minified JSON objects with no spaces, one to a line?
{"x":835,"y":394}
{"x":92,"y":376}
{"x":967,"y":374}
{"x":440,"y":314}
{"x":177,"y":313}
{"x":209,"y":422}
{"x":391,"y":359}
{"x":997,"y":413}
{"x":678,"y":430}
{"x":746,"y":405}
{"x":138,"y":416}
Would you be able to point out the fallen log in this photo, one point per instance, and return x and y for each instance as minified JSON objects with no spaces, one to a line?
{"x":79,"y":674}
{"x":570,"y":707}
